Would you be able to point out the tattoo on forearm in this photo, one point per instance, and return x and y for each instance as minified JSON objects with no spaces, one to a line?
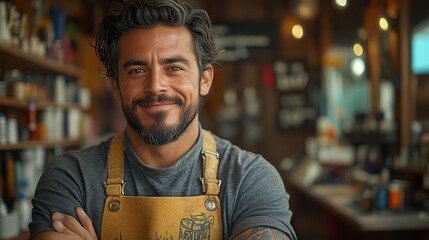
{"x":262,"y":233}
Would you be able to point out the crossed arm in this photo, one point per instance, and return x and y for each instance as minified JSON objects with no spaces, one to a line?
{"x":262,"y":233}
{"x":68,"y":228}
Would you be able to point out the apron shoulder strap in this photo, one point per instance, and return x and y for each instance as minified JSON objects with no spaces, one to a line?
{"x":115,"y":183}
{"x":115,"y":173}
{"x":210,"y":183}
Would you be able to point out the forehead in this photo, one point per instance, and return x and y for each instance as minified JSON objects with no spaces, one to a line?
{"x":160,"y":39}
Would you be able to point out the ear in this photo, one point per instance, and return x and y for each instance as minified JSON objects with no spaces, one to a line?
{"x":115,"y":88}
{"x":206,"y":80}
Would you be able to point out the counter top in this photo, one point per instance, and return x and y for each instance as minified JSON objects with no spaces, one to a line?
{"x":339,"y":198}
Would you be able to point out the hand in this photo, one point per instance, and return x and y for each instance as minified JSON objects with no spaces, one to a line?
{"x":71,"y":229}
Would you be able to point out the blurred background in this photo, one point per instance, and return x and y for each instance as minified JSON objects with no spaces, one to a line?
{"x":334,"y":93}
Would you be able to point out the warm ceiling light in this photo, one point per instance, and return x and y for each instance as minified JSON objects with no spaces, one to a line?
{"x":383,"y":23}
{"x":297,"y":31}
{"x":307,"y":9}
{"x":341,"y":3}
{"x":358,"y":49}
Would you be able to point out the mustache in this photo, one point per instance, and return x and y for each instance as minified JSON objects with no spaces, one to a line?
{"x":157,"y":99}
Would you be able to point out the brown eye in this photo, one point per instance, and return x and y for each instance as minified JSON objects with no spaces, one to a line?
{"x":136,"y":72}
{"x":175,"y":69}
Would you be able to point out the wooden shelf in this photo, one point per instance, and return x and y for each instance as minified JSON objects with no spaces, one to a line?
{"x":359,"y":137}
{"x":42,"y":143}
{"x":14,"y":58}
{"x":412,"y":170}
{"x":11,"y":102}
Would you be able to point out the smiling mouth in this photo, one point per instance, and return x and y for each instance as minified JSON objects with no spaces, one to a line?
{"x":157,"y":104}
{"x":157,"y":101}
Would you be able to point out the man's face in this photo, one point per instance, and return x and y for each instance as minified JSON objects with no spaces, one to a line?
{"x":159,"y":83}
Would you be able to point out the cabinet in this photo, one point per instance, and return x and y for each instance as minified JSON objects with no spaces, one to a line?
{"x":16,"y":156}
{"x":17,"y":59}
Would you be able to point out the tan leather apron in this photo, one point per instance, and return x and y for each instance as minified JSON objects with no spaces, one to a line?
{"x":139,"y":217}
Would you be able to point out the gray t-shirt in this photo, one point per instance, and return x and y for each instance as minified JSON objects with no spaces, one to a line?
{"x":252,"y":192}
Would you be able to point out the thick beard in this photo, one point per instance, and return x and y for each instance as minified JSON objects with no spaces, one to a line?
{"x":160,"y":133}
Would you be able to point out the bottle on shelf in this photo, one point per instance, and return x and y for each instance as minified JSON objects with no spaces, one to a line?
{"x":381,"y":199}
{"x":32,"y":120}
{"x":4,"y":29}
{"x":3,"y":129}
{"x":12,"y":130}
{"x":8,"y":221}
{"x":23,"y":207}
{"x":3,"y":207}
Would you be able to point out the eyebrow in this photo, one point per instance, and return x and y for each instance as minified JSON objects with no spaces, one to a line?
{"x":176,"y":59}
{"x":164,"y":61}
{"x":134,"y":63}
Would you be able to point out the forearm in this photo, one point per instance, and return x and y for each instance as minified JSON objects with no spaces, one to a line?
{"x":48,"y":235}
{"x":66,"y":227}
{"x":262,"y":233}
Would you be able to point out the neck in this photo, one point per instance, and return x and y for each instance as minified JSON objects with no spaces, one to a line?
{"x":165,"y":155}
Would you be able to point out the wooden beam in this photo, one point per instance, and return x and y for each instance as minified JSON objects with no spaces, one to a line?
{"x":405,"y":69}
{"x":374,"y":55}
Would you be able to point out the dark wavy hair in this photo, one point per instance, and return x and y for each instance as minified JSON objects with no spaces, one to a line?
{"x":131,"y":14}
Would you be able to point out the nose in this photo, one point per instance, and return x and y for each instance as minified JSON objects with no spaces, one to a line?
{"x":156,"y":82}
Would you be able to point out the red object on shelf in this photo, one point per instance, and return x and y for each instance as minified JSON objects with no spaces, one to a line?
{"x":268,"y":75}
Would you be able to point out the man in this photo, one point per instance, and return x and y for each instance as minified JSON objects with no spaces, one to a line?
{"x":164,"y":177}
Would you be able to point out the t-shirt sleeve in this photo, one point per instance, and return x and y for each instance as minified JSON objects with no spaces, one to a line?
{"x":262,"y":200}
{"x":59,"y":189}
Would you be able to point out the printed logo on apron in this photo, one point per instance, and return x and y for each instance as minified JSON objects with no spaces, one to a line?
{"x":196,"y":227}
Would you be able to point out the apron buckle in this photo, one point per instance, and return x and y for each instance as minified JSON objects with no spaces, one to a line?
{"x":109,"y":184}
{"x":204,"y":152}
{"x":203,"y":184}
